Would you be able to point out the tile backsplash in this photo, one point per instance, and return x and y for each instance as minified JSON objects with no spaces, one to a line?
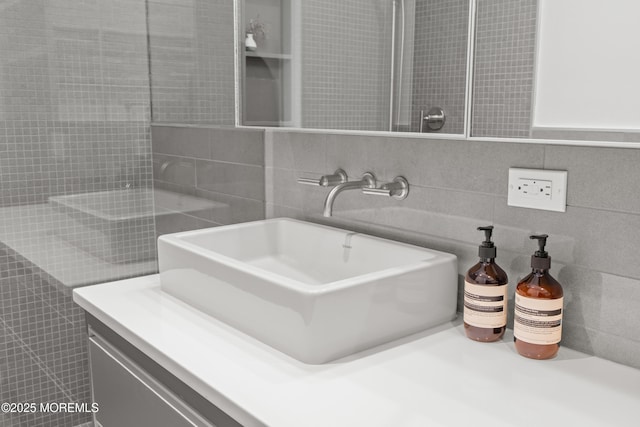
{"x":221,"y":165}
{"x":457,"y":185}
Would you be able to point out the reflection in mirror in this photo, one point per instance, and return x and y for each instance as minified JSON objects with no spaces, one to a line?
{"x":353,"y":64}
{"x":191,"y":61}
{"x":556,"y":69}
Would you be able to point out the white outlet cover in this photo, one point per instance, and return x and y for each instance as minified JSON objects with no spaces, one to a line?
{"x":555,"y":200}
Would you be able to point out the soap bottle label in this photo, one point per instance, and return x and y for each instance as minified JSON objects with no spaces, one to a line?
{"x":485,"y":306}
{"x":538,"y":321}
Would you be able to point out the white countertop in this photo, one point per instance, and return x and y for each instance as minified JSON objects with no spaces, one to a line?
{"x":434,"y":378}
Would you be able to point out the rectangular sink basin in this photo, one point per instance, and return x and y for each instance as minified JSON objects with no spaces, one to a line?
{"x":314,"y":292}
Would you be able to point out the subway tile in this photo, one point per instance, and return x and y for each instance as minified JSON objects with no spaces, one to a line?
{"x":619,"y":314}
{"x":236,"y":210}
{"x":269,"y":188}
{"x":294,"y":195}
{"x":598,"y":240}
{"x":300,"y":151}
{"x":230,"y":178}
{"x":237,"y":145}
{"x":384,"y":157}
{"x":176,"y":188}
{"x":605,"y":178}
{"x":608,"y":346}
{"x":476,"y":206}
{"x":454,"y":164}
{"x":351,"y":153}
{"x":181,"y":141}
{"x":269,"y":136}
{"x":174,"y":170}
{"x":473,"y":165}
{"x":177,"y":222}
{"x":617,"y":348}
{"x":442,"y":213}
{"x":278,"y":211}
{"x":601,"y":301}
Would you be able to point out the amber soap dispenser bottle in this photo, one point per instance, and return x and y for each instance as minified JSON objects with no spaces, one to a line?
{"x":537,"y":327}
{"x":485,"y":295}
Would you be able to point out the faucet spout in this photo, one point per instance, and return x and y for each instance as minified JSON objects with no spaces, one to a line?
{"x":367,"y":181}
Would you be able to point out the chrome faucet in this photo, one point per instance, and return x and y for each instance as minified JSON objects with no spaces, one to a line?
{"x":338,"y":177}
{"x":398,"y":189}
{"x":367,"y":181}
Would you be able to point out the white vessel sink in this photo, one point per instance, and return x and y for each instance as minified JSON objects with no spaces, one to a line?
{"x":314,"y":292}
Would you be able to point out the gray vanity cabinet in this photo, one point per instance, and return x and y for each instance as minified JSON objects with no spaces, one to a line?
{"x":129,"y":396}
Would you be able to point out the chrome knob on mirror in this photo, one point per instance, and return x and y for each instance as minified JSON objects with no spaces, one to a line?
{"x":434,"y":119}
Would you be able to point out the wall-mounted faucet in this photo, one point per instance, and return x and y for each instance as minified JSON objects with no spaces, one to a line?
{"x":367,"y":181}
{"x":340,"y":182}
{"x":398,"y":189}
{"x":338,"y":177}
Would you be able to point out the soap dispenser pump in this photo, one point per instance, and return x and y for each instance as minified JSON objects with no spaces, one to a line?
{"x":537,"y":327}
{"x":485,"y":295}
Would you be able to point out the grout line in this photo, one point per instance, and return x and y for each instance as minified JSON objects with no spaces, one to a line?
{"x":599,"y":209}
{"x":179,"y":156}
{"x":228,"y":195}
{"x":36,"y":359}
{"x":592,"y":208}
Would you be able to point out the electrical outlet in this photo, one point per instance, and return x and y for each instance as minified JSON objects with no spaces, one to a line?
{"x":534,"y":188}
{"x":538,"y":189}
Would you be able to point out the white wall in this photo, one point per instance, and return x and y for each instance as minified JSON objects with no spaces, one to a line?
{"x":588,"y":65}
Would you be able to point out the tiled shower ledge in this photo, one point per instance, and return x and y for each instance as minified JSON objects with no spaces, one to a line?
{"x":435,"y":378}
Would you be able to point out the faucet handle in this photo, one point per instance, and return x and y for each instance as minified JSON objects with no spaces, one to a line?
{"x":338,"y":177}
{"x":398,"y":189}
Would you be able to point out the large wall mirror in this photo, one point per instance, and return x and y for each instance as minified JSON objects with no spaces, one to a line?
{"x":557,"y":69}
{"x":368,"y":65}
{"x":542,"y":69}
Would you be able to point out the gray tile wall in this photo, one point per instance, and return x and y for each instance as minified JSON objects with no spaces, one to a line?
{"x":224,"y":165}
{"x":43,"y":354}
{"x":74,"y":118}
{"x":346,"y":64}
{"x":459,"y":185}
{"x":504,"y":68}
{"x":440,"y":57}
{"x":191,"y":50}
